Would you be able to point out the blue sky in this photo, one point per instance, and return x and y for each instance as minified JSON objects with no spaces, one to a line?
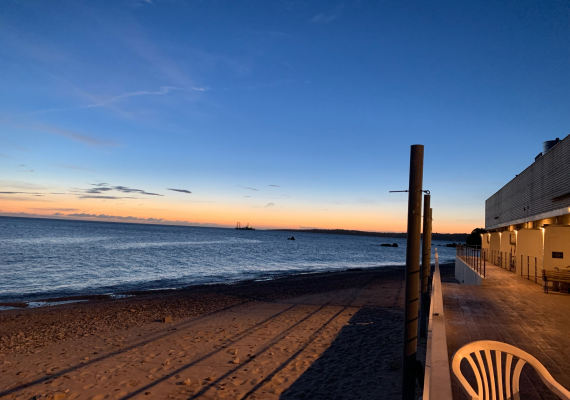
{"x":320,"y":98}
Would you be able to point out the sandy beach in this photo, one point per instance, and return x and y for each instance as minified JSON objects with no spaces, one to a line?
{"x":318,"y":336}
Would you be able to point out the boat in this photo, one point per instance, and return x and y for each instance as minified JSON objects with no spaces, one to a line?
{"x":245,"y":228}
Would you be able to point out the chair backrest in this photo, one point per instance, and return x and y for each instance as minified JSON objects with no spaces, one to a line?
{"x":495,"y":382}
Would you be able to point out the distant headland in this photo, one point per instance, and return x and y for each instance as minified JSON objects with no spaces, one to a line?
{"x":454,"y":237}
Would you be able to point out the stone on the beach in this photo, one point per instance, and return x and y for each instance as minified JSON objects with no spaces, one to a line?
{"x":186,"y":382}
{"x":166,"y":319}
{"x":235,"y":360}
{"x":232,"y":351}
{"x":210,"y":378}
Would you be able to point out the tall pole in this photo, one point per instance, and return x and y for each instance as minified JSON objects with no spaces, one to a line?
{"x":412,"y":272}
{"x":426,"y":265}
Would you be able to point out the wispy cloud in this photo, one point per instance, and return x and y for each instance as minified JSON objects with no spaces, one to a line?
{"x":249,"y":188}
{"x":103,"y":187}
{"x":125,"y":189}
{"x":53,"y":209}
{"x":104,"y":197}
{"x":79,"y":137}
{"x":9,"y":143}
{"x":74,"y":167}
{"x":28,"y":170}
{"x":181,"y":190}
{"x":326,"y":17}
{"x":163,"y":90}
{"x":19,"y":193}
{"x":31,"y":193}
{"x":23,"y":185}
{"x":268,"y":205}
{"x":98,"y":190}
{"x":275,"y":185}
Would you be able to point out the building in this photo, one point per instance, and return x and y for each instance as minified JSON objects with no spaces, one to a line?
{"x":528,"y":219}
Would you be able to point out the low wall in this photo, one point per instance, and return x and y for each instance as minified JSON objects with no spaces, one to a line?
{"x":465,"y":275}
{"x":437,"y":378}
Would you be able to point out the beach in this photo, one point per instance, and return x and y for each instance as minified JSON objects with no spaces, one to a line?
{"x":334,"y":335}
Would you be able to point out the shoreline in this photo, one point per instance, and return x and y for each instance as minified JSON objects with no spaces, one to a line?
{"x":22,"y":301}
{"x":302,"y":336}
{"x":153,"y":305}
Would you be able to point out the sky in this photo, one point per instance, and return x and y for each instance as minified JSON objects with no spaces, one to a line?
{"x":280,"y":114}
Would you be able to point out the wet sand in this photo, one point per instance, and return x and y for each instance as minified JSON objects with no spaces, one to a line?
{"x":319,"y":336}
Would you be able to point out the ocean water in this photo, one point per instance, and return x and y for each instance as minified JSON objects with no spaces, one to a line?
{"x":42,"y":258}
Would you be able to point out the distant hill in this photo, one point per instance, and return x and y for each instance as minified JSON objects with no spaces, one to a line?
{"x":452,"y":237}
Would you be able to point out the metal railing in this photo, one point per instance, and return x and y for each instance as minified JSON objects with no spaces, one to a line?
{"x":529,"y":267}
{"x":503,"y":259}
{"x":474,"y":257}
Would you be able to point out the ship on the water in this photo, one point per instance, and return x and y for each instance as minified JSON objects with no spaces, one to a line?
{"x":247,"y":227}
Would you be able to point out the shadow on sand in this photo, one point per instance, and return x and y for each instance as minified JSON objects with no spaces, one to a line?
{"x":364,"y":361}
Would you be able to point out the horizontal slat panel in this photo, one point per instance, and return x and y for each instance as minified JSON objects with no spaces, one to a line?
{"x":532,"y":192}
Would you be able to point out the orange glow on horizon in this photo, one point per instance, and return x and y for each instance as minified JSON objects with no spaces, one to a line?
{"x":226,"y":215}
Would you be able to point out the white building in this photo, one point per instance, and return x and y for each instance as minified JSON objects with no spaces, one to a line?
{"x":528,"y":219}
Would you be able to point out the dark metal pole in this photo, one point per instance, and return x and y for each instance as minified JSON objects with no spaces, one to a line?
{"x":426,"y":264}
{"x":412,"y":272}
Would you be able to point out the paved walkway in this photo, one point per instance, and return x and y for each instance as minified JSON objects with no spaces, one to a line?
{"x":513,"y":310}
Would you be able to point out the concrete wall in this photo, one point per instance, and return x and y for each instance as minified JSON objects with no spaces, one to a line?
{"x":437,"y":378}
{"x":465,"y":275}
{"x":508,"y":242}
{"x":494,"y":246}
{"x":530,"y":244}
{"x":486,"y":243}
{"x":557,"y":240}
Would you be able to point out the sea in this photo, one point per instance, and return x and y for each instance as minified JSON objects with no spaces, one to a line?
{"x":49,"y":258}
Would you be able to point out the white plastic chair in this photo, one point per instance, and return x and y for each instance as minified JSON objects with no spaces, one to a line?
{"x":491,"y":378}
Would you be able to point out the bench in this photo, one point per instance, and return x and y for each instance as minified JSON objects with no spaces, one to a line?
{"x":555,"y":276}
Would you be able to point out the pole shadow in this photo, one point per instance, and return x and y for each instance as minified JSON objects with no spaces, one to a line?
{"x":364,"y":361}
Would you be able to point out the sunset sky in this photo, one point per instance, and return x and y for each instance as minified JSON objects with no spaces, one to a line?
{"x":277,"y":113}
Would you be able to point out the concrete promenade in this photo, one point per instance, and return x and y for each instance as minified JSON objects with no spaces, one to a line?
{"x":513,"y":310}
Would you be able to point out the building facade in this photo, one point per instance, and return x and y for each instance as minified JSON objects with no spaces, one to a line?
{"x":528,"y":219}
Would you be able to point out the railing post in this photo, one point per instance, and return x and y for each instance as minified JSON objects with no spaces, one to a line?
{"x":410,"y":339}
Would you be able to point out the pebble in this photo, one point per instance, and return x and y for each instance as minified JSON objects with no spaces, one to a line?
{"x":235,"y":360}
{"x":186,"y":382}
